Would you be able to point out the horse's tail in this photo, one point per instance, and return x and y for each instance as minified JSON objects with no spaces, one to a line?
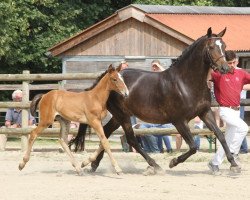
{"x":79,"y":140}
{"x":34,"y":104}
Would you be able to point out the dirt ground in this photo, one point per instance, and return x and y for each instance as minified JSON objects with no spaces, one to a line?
{"x":50,"y":176}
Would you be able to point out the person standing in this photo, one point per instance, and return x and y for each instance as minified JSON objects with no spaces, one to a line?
{"x":227,"y":89}
{"x":124,"y":64}
{"x":157,"y":67}
{"x":244,"y":146}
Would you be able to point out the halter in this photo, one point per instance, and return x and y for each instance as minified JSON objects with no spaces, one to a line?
{"x":213,"y":63}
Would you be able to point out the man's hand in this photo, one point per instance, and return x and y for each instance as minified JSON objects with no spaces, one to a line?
{"x":15,"y":126}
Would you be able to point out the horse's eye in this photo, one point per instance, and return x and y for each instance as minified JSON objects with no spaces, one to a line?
{"x":211,"y":46}
{"x":114,"y":79}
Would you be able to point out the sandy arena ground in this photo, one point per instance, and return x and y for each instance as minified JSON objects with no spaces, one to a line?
{"x":50,"y":176}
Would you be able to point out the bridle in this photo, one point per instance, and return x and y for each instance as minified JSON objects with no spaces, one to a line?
{"x":213,"y":62}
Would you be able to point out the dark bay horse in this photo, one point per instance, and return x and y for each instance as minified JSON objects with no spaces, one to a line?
{"x":175,"y":96}
{"x":84,"y":107}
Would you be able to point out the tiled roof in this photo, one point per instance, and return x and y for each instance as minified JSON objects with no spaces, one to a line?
{"x":189,"y":22}
{"x":165,"y":9}
{"x":193,"y":25}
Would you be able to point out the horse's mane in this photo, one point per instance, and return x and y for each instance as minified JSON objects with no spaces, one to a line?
{"x":187,"y":51}
{"x":96,"y":81}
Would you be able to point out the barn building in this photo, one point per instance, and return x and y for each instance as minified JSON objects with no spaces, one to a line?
{"x":141,"y":33}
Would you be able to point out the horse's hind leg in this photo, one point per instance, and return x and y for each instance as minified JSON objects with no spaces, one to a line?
{"x":185,"y":132}
{"x":65,"y":124}
{"x":32,"y":137}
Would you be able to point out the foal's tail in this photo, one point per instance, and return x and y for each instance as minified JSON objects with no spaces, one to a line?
{"x":34,"y":104}
{"x":79,"y":140}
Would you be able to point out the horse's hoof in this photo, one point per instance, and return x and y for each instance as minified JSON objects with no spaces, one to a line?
{"x":88,"y":171}
{"x":173,"y":163}
{"x":21,"y":166}
{"x":93,"y":167}
{"x":84,"y":164}
{"x":118,"y":170}
{"x":119,"y":173}
{"x":149,"y":171}
{"x":79,"y":171}
{"x":235,"y":169}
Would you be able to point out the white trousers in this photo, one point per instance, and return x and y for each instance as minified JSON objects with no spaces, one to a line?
{"x":236,"y":130}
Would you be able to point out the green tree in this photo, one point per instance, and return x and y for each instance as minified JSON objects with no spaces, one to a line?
{"x":29,"y":27}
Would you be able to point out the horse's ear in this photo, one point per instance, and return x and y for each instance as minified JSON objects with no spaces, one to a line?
{"x":111,"y":68}
{"x":119,"y":68}
{"x":222,"y":32}
{"x":209,"y":32}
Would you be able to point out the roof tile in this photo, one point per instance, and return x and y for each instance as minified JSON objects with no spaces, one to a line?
{"x":237,"y":34}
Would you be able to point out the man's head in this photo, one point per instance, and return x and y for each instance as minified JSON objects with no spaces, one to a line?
{"x":156,"y":66}
{"x":17,"y":95}
{"x":232,"y":59}
{"x":124,"y":64}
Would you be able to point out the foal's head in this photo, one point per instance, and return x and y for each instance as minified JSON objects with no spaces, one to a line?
{"x":215,"y":51}
{"x":116,"y":81}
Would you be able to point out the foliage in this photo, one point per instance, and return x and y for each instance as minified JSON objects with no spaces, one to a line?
{"x":29,"y":27}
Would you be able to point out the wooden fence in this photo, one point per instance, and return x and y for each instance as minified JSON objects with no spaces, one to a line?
{"x":26,"y":78}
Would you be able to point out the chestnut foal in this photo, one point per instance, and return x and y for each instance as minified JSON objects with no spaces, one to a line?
{"x":84,"y":107}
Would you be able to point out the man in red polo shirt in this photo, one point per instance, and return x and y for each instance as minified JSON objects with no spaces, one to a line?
{"x":227,"y":89}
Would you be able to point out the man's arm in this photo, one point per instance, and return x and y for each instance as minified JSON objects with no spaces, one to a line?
{"x":246,"y":87}
{"x":8,"y":118}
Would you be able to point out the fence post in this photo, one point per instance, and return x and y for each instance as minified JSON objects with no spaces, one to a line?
{"x":61,"y":85}
{"x":25,"y":112}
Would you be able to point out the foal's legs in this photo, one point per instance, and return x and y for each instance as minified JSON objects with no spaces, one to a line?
{"x":208,"y":119}
{"x":109,"y":128}
{"x":63,"y":140}
{"x":33,"y":135}
{"x":185,"y":132}
{"x":96,"y":124}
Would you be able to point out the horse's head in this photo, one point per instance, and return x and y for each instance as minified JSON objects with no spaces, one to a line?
{"x":215,"y":51}
{"x":117,"y":82}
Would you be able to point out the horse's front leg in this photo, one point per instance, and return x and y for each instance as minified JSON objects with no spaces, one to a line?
{"x":208,"y":119}
{"x":33,"y":135}
{"x":96,"y":124}
{"x":183,"y":129}
{"x":109,"y":128}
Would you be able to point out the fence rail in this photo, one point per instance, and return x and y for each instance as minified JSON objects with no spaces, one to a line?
{"x":55,"y":131}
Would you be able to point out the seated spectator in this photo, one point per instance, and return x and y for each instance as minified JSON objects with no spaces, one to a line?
{"x":198,"y":124}
{"x":164,"y":138}
{"x":149,"y":142}
{"x":153,"y":143}
{"x":13,"y":118}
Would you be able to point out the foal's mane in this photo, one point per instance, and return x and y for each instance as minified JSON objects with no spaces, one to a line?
{"x":96,"y":81}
